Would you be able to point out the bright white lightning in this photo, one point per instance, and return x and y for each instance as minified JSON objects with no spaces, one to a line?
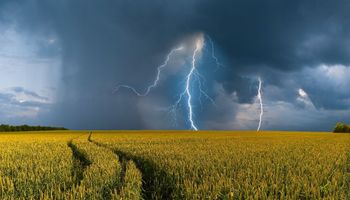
{"x":193,"y":76}
{"x":193,"y":80}
{"x":199,"y":45}
{"x":156,"y":80}
{"x":259,"y":96}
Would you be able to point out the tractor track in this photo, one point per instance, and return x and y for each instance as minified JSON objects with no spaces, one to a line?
{"x":122,"y":161}
{"x":80,"y":163}
{"x":150,"y":174}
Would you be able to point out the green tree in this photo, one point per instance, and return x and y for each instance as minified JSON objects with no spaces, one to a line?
{"x":341,"y":128}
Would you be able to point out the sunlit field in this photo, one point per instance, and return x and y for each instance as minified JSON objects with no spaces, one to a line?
{"x":174,"y":165}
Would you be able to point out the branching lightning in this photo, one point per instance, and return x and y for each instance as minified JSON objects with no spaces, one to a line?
{"x":259,"y":96}
{"x":218,"y":64}
{"x":156,"y":80}
{"x":193,"y":74}
{"x":193,"y":81}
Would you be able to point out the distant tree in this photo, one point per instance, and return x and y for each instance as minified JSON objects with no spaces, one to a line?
{"x":341,"y":128}
{"x":25,"y":127}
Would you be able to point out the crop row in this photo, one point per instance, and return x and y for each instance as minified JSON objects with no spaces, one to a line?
{"x":238,"y":165}
{"x":34,"y":169}
{"x":187,"y":165}
{"x":45,"y":167}
{"x":104,"y":177}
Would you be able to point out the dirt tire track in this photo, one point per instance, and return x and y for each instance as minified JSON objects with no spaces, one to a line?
{"x":80,"y":163}
{"x":122,"y":162}
{"x":151,"y":173}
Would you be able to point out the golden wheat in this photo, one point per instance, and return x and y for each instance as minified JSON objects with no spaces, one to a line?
{"x":242,"y":165}
{"x":174,"y":165}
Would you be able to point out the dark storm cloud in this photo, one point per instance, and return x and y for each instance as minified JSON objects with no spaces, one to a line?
{"x":105,"y":44}
{"x":109,"y":42}
{"x":281,"y":34}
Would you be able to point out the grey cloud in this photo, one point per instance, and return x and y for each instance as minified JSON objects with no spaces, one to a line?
{"x":8,"y":98}
{"x":29,"y":93}
{"x":16,"y":111}
{"x":103,"y":43}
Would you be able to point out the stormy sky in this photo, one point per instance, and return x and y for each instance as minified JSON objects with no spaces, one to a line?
{"x":61,"y":62}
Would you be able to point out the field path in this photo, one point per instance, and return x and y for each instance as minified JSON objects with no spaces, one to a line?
{"x":149,"y":171}
{"x":80,"y":163}
{"x":122,"y":161}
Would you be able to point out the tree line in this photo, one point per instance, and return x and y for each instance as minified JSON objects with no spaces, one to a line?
{"x":10,"y":128}
{"x":341,"y":128}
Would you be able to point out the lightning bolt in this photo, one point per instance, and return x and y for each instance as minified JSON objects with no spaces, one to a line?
{"x":156,"y":80}
{"x":187,"y":92}
{"x":259,"y":96}
{"x":193,"y":80}
{"x":218,"y":64}
{"x":188,"y":82}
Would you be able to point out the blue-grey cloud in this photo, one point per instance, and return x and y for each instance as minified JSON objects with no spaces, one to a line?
{"x":19,"y":105}
{"x":102,"y":44}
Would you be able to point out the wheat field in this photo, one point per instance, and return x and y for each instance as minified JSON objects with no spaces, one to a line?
{"x":174,"y":165}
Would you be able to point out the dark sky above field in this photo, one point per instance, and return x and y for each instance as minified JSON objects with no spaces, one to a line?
{"x":60,"y":62}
